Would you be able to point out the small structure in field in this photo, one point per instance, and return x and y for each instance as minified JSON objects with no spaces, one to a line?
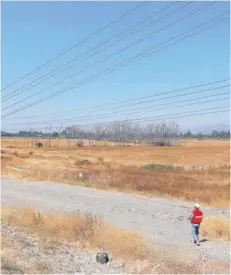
{"x":39,"y":145}
{"x":83,"y":175}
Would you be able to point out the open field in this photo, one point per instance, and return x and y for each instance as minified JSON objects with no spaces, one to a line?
{"x":207,"y":164}
{"x":57,"y":142}
{"x":191,"y":152}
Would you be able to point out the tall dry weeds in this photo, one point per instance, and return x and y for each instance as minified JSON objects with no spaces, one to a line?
{"x":86,"y":230}
{"x":212,"y":190}
{"x":216,"y":228}
{"x":208,"y":186}
{"x":175,"y":184}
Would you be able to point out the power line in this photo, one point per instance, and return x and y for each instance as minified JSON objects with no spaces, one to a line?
{"x":150,"y":119}
{"x":126,"y":62}
{"x":78,"y":43}
{"x":147,"y":119}
{"x":113,"y":54}
{"x":107,"y":57}
{"x":106,"y":116}
{"x":137,"y":110}
{"x":116,"y":103}
{"x":24,"y":88}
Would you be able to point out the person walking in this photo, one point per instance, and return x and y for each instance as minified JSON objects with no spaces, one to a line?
{"x":196,"y":219}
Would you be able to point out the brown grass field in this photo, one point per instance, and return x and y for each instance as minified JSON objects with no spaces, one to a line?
{"x":200,"y":168}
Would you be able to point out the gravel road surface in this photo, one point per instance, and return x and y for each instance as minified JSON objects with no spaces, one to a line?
{"x":163,"y":221}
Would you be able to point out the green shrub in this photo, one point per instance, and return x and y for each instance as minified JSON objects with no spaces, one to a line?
{"x":10,"y":266}
{"x":154,"y":166}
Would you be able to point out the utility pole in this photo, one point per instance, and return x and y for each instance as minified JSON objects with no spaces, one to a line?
{"x":45,"y":140}
{"x":29,"y":135}
{"x":50,"y":135}
{"x":61,"y":125}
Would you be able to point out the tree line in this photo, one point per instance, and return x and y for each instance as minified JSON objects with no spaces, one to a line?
{"x":125,"y":131}
{"x":214,"y":134}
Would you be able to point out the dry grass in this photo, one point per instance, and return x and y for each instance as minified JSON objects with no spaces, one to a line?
{"x":216,"y":227}
{"x":86,"y":230}
{"x":206,"y":152}
{"x":92,"y":233}
{"x":121,"y":169}
{"x":13,"y":262}
{"x":174,"y":184}
{"x":20,"y":142}
{"x":209,"y":187}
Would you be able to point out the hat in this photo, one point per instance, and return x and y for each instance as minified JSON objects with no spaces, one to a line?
{"x":197,"y":205}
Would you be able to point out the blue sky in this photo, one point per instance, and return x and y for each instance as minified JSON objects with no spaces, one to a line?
{"x":33,"y":32}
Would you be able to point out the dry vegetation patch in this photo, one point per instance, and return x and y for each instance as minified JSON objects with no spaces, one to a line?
{"x":216,"y":227}
{"x":89,"y":233}
{"x":207,"y":178}
{"x":86,"y":230}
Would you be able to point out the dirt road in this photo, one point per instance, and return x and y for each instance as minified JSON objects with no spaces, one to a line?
{"x":163,"y":221}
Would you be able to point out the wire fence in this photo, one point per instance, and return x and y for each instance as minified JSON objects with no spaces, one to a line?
{"x":40,"y":142}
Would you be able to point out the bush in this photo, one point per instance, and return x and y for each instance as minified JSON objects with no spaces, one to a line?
{"x":161,"y":143}
{"x":39,"y":145}
{"x":82,"y":162}
{"x":154,"y":166}
{"x":80,"y":144}
{"x":10,"y":267}
{"x":100,"y":159}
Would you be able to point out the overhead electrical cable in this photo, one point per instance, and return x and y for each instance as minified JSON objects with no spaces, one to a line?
{"x":79,"y":43}
{"x":148,"y":119}
{"x":72,"y":61}
{"x":128,"y":61}
{"x":101,"y":107}
{"x":104,"y":59}
{"x":137,"y":110}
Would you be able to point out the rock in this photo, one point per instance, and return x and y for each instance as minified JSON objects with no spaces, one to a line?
{"x":180,"y":218}
{"x":102,"y":258}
